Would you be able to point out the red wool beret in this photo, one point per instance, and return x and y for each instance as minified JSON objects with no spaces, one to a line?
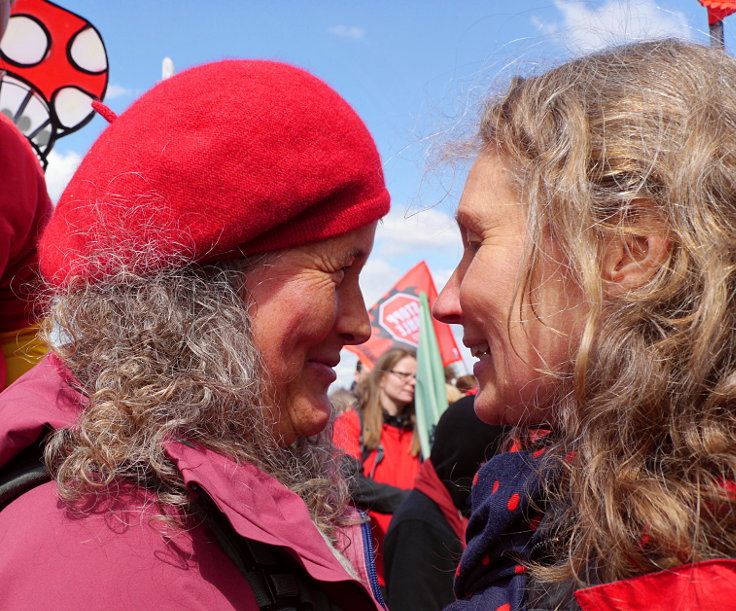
{"x":235,"y":157}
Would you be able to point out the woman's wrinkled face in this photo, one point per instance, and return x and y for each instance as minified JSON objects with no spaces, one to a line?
{"x":517,"y":343}
{"x":306,"y":305}
{"x":397,"y":385}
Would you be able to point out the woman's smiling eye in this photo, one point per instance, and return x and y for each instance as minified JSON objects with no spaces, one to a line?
{"x":341,"y":273}
{"x":471,"y":240}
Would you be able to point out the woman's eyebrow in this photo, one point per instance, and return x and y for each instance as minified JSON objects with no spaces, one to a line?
{"x":466,"y":221}
{"x":354,"y":253}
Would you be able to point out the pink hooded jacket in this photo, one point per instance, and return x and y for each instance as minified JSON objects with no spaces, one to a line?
{"x":117,"y":557}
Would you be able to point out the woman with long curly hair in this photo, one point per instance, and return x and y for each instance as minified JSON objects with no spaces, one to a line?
{"x":596,"y":290}
{"x":203,"y":269}
{"x":381,"y":435}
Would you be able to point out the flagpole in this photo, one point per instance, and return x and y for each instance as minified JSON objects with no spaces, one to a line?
{"x":430,"y":395}
{"x":716,"y":35}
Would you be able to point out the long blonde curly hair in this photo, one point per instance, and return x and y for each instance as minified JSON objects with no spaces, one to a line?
{"x":645,"y":421}
{"x":169,"y":355}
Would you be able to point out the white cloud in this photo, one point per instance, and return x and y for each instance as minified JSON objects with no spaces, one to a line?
{"x":584,"y":28}
{"x":404,"y":232}
{"x":347,"y":31}
{"x":441,"y":277}
{"x":377,"y":277}
{"x":118,"y":91}
{"x":60,"y":169}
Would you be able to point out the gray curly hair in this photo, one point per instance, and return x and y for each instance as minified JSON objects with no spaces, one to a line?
{"x":171,"y":355}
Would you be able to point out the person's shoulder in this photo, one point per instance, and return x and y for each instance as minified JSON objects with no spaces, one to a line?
{"x":349,"y":418}
{"x":118,"y":553}
{"x":417,"y":506}
{"x":703,"y":585}
{"x":39,"y":399}
{"x":418,"y":511}
{"x":346,"y":430}
{"x":13,"y":142}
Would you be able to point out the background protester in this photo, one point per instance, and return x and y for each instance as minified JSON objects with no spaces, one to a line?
{"x":24,"y":209}
{"x":596,"y":290}
{"x":204,"y":265}
{"x":342,"y":400}
{"x":467,"y":384}
{"x":381,"y":436}
{"x":453,"y":394}
{"x":359,"y":377}
{"x":427,"y":532}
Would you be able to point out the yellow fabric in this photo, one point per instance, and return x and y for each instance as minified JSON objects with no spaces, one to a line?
{"x":22,"y":349}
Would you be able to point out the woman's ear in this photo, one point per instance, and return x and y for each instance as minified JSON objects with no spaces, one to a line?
{"x":631,"y":260}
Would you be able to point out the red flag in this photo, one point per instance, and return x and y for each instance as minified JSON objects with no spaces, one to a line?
{"x":718,"y":9}
{"x":395,"y":319}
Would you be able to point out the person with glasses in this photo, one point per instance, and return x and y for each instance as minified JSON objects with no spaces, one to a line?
{"x":381,"y":434}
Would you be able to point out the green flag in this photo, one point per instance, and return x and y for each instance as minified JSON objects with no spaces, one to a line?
{"x":430,"y":396}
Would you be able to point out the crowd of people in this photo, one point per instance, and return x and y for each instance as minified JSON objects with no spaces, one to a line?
{"x":199,"y":277}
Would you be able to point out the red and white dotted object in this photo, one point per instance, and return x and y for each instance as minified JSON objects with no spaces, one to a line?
{"x":55,"y":64}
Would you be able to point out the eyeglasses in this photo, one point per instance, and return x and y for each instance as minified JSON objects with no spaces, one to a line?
{"x":404,"y":375}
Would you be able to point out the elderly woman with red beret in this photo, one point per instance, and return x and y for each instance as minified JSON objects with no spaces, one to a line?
{"x":204,"y":262}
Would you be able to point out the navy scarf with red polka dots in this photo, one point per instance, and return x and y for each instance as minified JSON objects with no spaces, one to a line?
{"x":499,"y":534}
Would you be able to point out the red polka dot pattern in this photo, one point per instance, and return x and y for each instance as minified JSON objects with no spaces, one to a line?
{"x":513,"y":501}
{"x":492,"y":566}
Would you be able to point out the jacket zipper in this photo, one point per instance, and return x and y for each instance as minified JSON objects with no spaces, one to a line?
{"x":365,"y":529}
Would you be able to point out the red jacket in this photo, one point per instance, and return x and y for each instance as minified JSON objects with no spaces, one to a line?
{"x":701,"y":586}
{"x":118,"y":558}
{"x":397,"y":467}
{"x":24,"y":209}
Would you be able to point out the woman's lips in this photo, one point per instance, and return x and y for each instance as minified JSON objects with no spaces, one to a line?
{"x":323,"y":370}
{"x":481,"y":351}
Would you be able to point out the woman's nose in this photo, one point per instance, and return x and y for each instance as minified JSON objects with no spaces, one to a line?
{"x":446,"y":307}
{"x":355,"y":325}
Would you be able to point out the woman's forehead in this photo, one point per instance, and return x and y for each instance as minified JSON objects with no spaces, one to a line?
{"x":488,"y":196}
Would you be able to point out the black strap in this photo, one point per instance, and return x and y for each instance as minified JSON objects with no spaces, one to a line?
{"x":278,"y":581}
{"x":25,"y":471}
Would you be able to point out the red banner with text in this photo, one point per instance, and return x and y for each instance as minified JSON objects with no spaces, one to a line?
{"x":395,"y":319}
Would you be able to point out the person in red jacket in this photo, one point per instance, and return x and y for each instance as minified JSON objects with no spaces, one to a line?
{"x":24,"y":209}
{"x":597,"y":291}
{"x":381,"y":435}
{"x":204,"y":265}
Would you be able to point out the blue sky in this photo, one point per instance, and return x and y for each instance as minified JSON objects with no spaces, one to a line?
{"x":415,"y":71}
